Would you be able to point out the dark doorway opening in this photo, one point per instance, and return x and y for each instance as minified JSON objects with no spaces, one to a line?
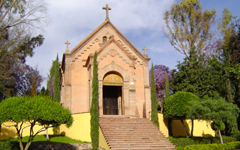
{"x":112,"y":100}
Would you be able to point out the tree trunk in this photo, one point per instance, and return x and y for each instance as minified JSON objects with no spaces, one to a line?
{"x":192,"y":127}
{"x":20,"y":143}
{"x":185,"y":128}
{"x":220,"y":135}
{"x":47,"y":137}
{"x":28,"y":145}
{"x":161,"y":105}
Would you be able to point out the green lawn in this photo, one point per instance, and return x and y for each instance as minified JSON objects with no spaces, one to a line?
{"x":53,"y":139}
{"x":13,"y":144}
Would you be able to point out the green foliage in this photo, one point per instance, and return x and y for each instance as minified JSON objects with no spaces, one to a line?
{"x":195,"y":76}
{"x":218,"y":110}
{"x":10,"y":58}
{"x":38,"y":108}
{"x":18,"y":20}
{"x":226,"y":146}
{"x":56,"y":87}
{"x":189,"y":26}
{"x":181,"y":142}
{"x":179,"y":104}
{"x":52,"y":139}
{"x":94,"y":106}
{"x":154,"y":113}
{"x":50,"y":82}
{"x":34,"y":110}
{"x":217,"y":125}
{"x":6,"y":145}
{"x":158,"y":107}
{"x":12,"y":143}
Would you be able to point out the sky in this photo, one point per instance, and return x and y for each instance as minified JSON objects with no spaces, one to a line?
{"x":140,"y":21}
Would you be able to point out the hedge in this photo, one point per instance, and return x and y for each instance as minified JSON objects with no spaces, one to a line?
{"x":7,"y":145}
{"x":225,"y":146}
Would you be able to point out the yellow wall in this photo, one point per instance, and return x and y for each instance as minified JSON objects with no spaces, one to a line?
{"x":80,"y":129}
{"x":10,"y":132}
{"x":163,"y":123}
{"x":102,"y":141}
{"x":201,"y":127}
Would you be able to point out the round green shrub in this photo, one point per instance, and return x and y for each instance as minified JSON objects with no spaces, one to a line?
{"x":179,"y":104}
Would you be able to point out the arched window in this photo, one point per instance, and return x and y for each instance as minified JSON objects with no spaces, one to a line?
{"x":104,"y":39}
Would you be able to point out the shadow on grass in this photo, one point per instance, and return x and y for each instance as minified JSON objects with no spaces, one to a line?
{"x":56,"y":142}
{"x":44,"y":146}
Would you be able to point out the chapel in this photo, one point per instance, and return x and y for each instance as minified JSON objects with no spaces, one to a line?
{"x":123,"y":74}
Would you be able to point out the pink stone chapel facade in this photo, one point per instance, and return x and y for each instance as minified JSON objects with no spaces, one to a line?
{"x":122,"y":74}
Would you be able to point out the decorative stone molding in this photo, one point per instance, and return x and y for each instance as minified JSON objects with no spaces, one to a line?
{"x":112,"y":53}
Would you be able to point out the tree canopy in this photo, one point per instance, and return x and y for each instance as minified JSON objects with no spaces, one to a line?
{"x":218,"y":110}
{"x":178,"y":106}
{"x":189,"y":26}
{"x":18,"y":20}
{"x":196,"y":76}
{"x":37,"y":110}
{"x":27,"y":79}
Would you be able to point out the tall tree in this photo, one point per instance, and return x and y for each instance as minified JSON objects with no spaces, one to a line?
{"x":50,"y":82}
{"x":195,"y":76}
{"x":18,"y":18}
{"x":56,"y":87}
{"x":159,"y":77}
{"x":229,"y":57}
{"x":188,"y":26}
{"x":154,"y":113}
{"x":28,"y":79}
{"x":94,"y":106}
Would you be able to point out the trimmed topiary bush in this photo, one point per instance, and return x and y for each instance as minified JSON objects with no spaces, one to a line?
{"x":178,"y":106}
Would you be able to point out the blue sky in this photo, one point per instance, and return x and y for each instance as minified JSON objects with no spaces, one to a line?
{"x":141,"y":21}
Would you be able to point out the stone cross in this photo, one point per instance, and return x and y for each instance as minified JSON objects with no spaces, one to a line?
{"x":145,"y":49}
{"x":67,"y":43}
{"x":106,"y":8}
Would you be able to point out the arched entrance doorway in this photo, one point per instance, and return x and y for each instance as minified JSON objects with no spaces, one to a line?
{"x":112,"y":94}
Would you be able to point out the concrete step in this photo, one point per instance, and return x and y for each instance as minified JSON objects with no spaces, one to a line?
{"x":133,"y":133}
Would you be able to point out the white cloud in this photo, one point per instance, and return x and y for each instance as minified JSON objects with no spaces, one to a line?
{"x":141,"y":21}
{"x":73,"y":20}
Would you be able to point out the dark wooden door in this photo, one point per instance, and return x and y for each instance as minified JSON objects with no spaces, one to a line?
{"x":110,"y":99}
{"x":110,"y":106}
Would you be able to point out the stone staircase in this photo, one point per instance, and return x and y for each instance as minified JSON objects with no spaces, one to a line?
{"x":133,"y":134}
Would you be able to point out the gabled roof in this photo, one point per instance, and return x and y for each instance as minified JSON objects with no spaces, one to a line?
{"x":113,"y":40}
{"x":105,"y":23}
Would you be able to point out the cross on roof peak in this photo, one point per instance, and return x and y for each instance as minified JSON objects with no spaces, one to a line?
{"x":106,"y":8}
{"x":145,"y":49}
{"x":67,"y":43}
